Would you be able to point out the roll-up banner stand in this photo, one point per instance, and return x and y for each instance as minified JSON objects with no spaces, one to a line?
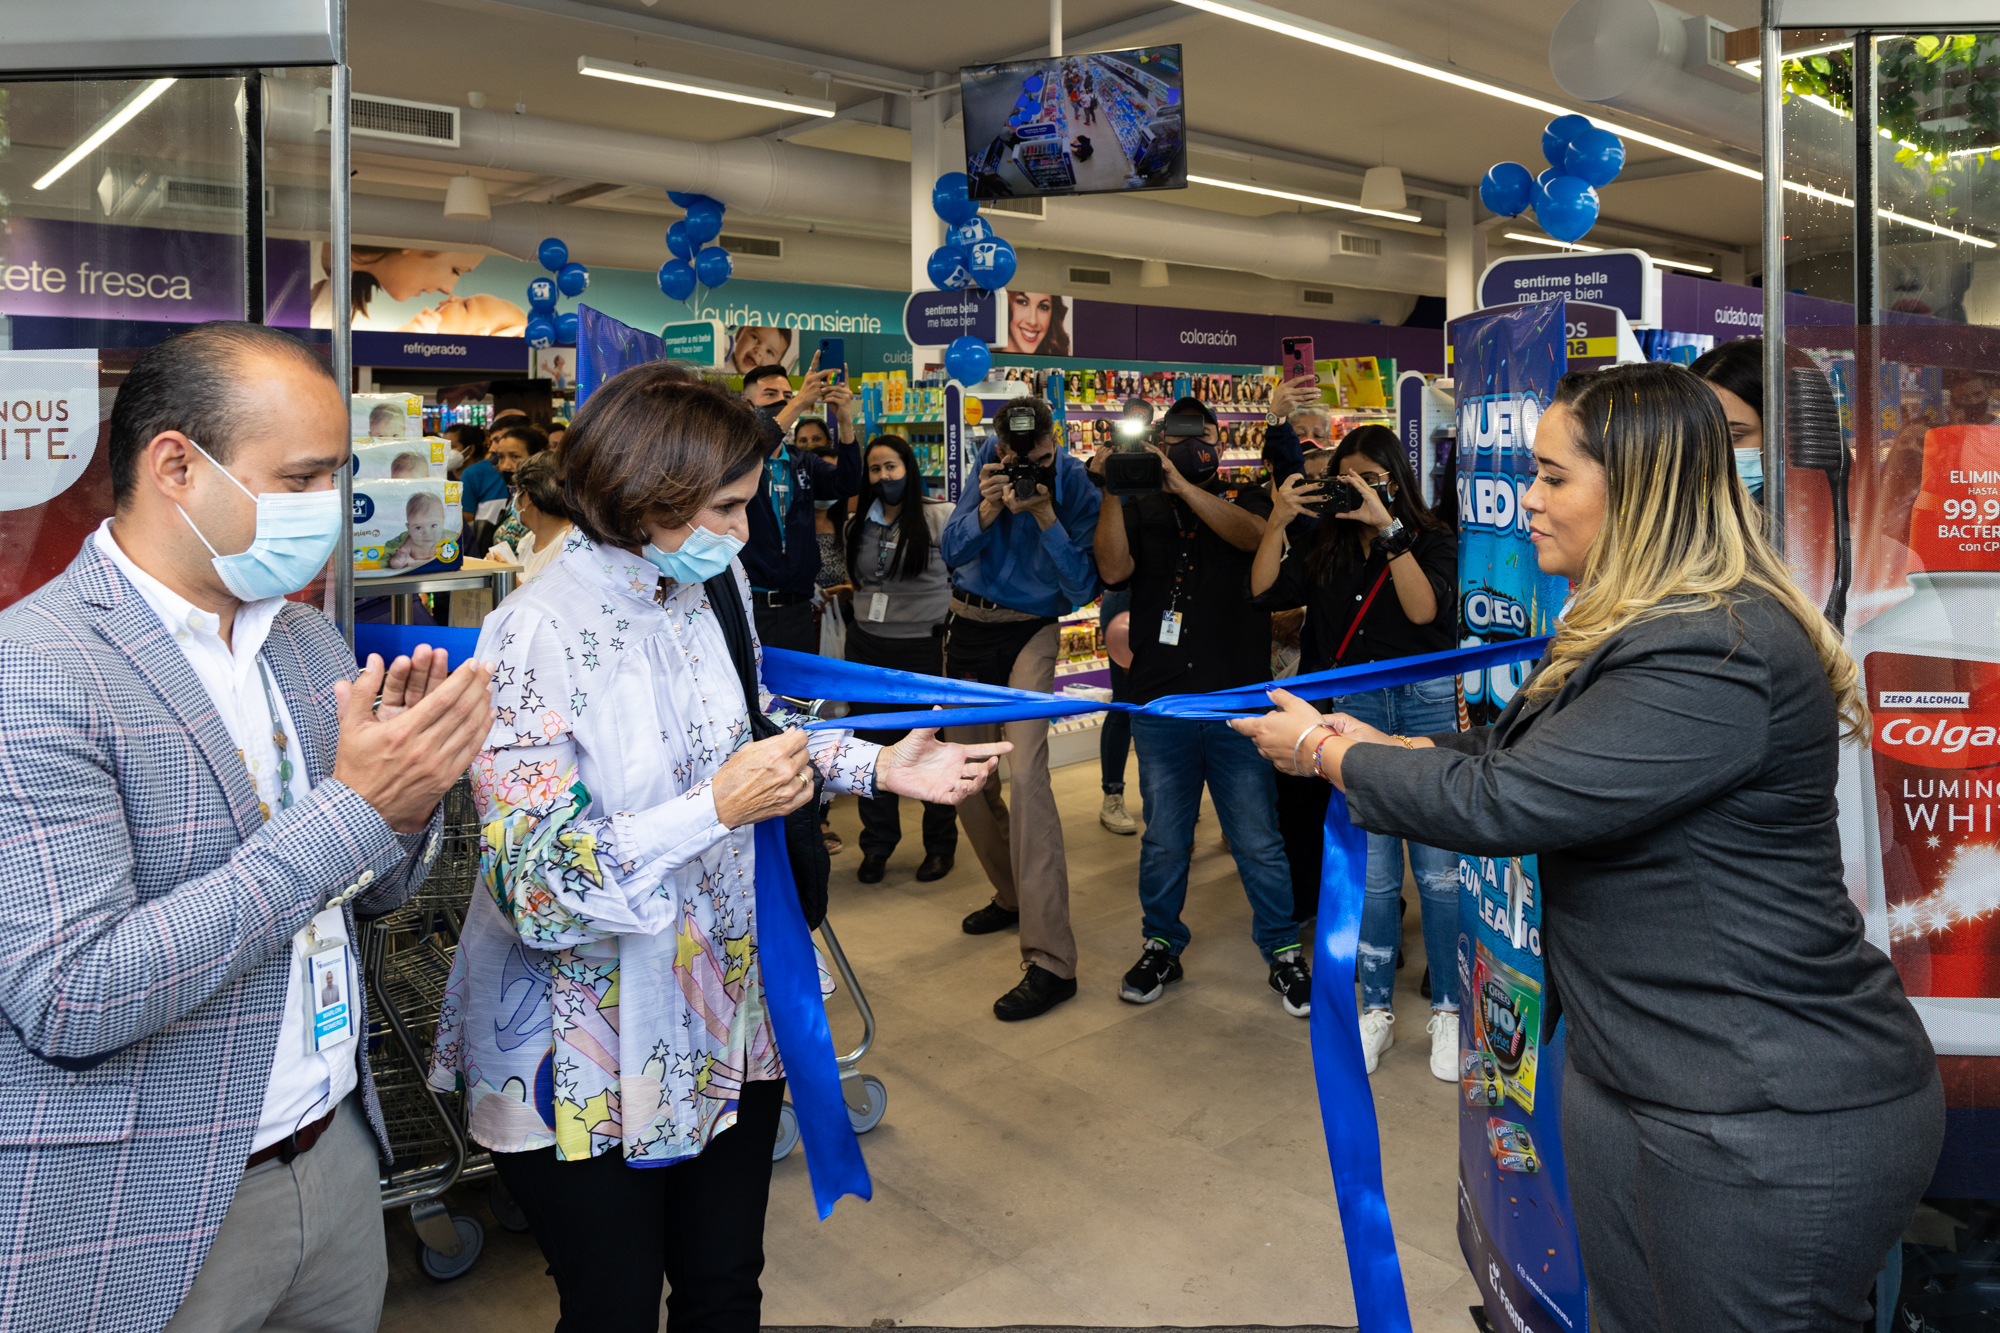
{"x":1514,"y":1221}
{"x":957,"y":458}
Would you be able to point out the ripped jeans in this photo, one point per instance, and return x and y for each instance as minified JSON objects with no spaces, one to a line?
{"x":1422,"y":709}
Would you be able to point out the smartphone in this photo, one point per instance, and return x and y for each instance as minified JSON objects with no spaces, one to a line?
{"x":1295,"y":357}
{"x":833,"y":356}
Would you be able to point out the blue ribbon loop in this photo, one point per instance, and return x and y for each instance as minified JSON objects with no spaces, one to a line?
{"x":790,"y":974}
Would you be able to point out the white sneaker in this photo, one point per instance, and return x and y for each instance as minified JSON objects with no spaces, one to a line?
{"x":1113,"y":815}
{"x":1443,"y":1028}
{"x":1376,"y":1036}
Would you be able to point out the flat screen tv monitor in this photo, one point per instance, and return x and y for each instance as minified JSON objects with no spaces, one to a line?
{"x":1089,"y":124}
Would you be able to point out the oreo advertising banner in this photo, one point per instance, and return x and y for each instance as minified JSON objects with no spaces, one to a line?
{"x":1514,"y":1221}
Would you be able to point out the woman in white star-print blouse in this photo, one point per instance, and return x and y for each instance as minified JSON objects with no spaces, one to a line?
{"x":605,"y":1011}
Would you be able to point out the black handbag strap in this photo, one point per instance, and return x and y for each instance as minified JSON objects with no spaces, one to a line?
{"x":726,"y":600}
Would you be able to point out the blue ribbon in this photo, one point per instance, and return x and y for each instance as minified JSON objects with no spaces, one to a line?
{"x":807,"y":676}
{"x":1346,"y":1101}
{"x":790,"y":973}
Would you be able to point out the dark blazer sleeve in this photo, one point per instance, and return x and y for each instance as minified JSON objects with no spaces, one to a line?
{"x":1474,"y":741}
{"x":1667,"y":717}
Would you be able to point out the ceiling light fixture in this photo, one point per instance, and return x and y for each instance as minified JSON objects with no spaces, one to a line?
{"x":700,"y":87}
{"x":1598,"y":249}
{"x":121,"y":116}
{"x":1313,"y":199}
{"x":1752,"y":65}
{"x":465,"y":200}
{"x":1307,"y":30}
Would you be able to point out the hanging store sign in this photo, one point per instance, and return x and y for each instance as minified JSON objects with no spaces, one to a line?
{"x":1624,"y":279}
{"x":932,"y":319}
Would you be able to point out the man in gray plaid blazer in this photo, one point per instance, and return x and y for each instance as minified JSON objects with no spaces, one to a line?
{"x":201,"y":797}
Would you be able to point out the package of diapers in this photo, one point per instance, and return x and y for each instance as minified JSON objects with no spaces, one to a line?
{"x":406,"y":525}
{"x":407,"y":460}
{"x":385,"y":416}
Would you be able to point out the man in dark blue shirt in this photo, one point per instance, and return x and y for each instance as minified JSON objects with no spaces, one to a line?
{"x":1019,"y":553}
{"x":782,"y":555}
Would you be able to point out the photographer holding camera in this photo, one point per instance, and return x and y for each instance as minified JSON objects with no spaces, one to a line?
{"x":1019,"y":553}
{"x":1182,"y":539}
{"x":1379,"y":579}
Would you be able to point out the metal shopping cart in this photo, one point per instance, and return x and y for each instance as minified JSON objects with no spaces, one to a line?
{"x":407,"y":957}
{"x":867,"y":1100}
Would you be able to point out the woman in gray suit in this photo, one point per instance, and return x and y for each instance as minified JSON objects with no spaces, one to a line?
{"x":1752,"y":1109}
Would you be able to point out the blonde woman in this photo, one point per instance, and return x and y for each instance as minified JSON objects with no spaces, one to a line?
{"x":1751,"y":1110}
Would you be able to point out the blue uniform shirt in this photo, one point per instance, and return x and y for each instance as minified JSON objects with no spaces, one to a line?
{"x":1014,"y":562}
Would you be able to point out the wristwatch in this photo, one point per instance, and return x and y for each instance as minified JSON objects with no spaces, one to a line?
{"x":1272,"y":418}
{"x":1395,"y":539}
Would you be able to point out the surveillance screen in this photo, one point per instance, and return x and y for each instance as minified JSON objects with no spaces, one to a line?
{"x":1091,"y":124}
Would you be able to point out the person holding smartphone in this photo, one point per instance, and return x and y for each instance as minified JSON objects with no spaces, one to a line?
{"x":1379,"y":579}
{"x":901,"y":596}
{"x":782,"y":556}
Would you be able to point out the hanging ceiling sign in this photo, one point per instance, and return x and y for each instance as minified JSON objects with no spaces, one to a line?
{"x":932,"y":319}
{"x":1624,"y":279}
{"x":699,"y":342}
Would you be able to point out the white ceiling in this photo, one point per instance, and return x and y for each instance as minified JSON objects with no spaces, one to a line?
{"x":1243,"y":84}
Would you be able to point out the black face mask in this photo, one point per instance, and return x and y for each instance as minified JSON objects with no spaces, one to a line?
{"x":892,"y":489}
{"x":1197,"y":460}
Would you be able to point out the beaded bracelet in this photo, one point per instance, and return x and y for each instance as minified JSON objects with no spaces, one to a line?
{"x":1317,"y":770}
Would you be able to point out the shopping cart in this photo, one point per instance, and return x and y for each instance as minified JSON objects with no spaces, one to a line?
{"x":867,"y":1100}
{"x":407,"y":957}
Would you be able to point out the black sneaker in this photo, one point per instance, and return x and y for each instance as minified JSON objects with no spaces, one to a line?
{"x":988,"y":919}
{"x":1292,"y":982}
{"x":936,"y":866}
{"x":871,"y":869}
{"x":1040,"y":991}
{"x":1147,"y":981}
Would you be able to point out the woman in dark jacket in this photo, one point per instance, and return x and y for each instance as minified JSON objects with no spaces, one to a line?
{"x":1751,"y":1110}
{"x":1378,"y":580}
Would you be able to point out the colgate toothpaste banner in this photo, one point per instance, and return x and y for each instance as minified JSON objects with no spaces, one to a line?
{"x":1514,"y":1216}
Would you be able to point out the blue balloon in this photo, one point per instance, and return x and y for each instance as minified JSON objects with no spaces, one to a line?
{"x":1507,"y":189}
{"x":992,"y":263}
{"x":541,"y":296}
{"x":1595,"y":157}
{"x":541,"y":331}
{"x":967,"y":360}
{"x":1539,"y":194}
{"x":553,"y":254}
{"x":950,"y":201}
{"x":970,"y":234}
{"x":677,"y":279}
{"x":566,"y":325}
{"x":573,"y":279}
{"x":1033,"y":83}
{"x":682,"y":198}
{"x":713,"y":266}
{"x":1570,"y":210}
{"x":703,"y":220}
{"x":678,"y":242}
{"x":1559,"y":133}
{"x":949,"y":269}
{"x":1024,"y":102}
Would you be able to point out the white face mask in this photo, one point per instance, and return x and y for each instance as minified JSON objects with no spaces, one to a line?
{"x":455,"y":459}
{"x":296,"y":534}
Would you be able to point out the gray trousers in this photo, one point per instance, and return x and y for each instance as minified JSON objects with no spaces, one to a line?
{"x":1763,"y":1222}
{"x":301,"y":1248}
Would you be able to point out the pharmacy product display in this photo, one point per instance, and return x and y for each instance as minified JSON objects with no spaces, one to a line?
{"x":406,"y":526}
{"x":407,"y":460}
{"x":385,"y":416}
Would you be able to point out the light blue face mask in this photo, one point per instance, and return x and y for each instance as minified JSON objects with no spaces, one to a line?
{"x":296,"y":533}
{"x":1750,"y":467}
{"x":702,"y":556}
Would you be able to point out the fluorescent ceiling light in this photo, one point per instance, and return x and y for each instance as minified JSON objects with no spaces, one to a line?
{"x":1598,"y":249}
{"x":700,"y":87}
{"x":1754,"y":64}
{"x":1313,"y":199}
{"x":1307,"y":30}
{"x":121,"y":116}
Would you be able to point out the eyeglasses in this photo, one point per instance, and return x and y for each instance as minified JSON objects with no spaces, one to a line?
{"x":1373,"y":479}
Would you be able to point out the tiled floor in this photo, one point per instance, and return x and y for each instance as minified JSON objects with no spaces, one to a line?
{"x":1104,"y":1164}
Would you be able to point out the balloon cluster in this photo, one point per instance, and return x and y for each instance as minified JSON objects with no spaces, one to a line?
{"x":1029,"y":104}
{"x":695,"y":261}
{"x":545,"y":326}
{"x":1581,"y":158}
{"x":971,"y":256}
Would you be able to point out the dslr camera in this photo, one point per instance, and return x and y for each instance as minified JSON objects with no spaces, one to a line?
{"x":1133,"y":469}
{"x":1020,"y":426}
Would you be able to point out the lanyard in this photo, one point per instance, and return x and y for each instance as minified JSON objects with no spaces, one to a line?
{"x":1184,"y":560}
{"x":281,"y":741}
{"x":885,"y":551}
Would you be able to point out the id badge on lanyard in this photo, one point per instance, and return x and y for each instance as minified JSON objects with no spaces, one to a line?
{"x":330,"y":984}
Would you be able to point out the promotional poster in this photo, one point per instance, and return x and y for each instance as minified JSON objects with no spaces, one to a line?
{"x":1514,"y":1213}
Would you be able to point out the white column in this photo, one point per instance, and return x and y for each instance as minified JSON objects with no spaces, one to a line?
{"x":926,"y":228}
{"x":1464,"y":257}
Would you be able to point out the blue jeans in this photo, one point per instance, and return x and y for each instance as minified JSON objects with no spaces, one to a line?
{"x":1422,"y":709}
{"x":1176,"y":758}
